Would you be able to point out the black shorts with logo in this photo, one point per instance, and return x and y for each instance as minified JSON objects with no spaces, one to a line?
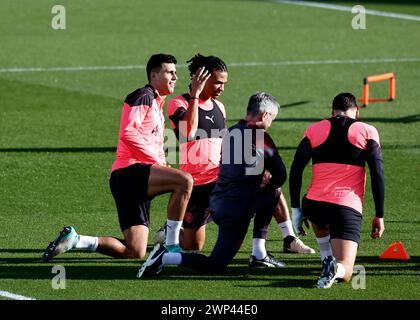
{"x":129,"y":189}
{"x":343,"y":222}
{"x":197,"y":214}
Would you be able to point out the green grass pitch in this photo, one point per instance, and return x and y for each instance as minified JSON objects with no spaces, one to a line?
{"x":58,"y":132}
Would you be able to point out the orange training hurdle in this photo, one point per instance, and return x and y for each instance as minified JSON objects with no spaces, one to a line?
{"x":381,"y":77}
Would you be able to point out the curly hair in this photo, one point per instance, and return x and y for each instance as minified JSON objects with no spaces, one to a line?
{"x":211,"y":63}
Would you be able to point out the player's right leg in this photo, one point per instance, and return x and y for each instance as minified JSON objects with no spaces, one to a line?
{"x":229,"y":240}
{"x":329,"y":264}
{"x":133,"y":246}
{"x":129,"y":189}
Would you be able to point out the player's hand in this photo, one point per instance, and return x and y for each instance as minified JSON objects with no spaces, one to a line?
{"x":297,"y":220}
{"x":378,"y":228}
{"x":198,"y":81}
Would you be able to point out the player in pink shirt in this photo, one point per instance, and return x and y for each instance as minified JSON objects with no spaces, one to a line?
{"x":339,"y":148}
{"x":139,"y":173}
{"x":198,"y":118}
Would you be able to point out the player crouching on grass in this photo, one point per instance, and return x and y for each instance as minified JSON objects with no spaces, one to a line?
{"x":139,"y":173}
{"x":247,"y":151}
{"x":198,"y":119}
{"x":339,"y":148}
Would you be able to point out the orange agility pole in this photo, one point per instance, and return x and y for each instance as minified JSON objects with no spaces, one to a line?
{"x":380,"y":77}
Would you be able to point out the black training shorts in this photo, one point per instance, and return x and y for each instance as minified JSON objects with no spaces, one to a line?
{"x":129,"y":188}
{"x":197,"y":214}
{"x":343,"y":222}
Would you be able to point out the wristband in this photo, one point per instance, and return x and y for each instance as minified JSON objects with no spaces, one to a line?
{"x":192,"y":98}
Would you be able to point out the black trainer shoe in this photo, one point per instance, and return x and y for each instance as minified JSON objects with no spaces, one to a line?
{"x":329,"y":273}
{"x":268,"y":262}
{"x":65,"y":241}
{"x":153,"y":264}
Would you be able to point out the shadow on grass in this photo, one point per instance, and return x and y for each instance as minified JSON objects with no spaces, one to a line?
{"x":293,"y":104}
{"x":387,"y":267}
{"x":18,"y":250}
{"x":97,"y":268}
{"x":114,"y":269}
{"x":288,"y":283}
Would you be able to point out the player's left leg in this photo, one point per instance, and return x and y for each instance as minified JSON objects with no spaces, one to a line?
{"x":179,"y":184}
{"x":193,"y":234}
{"x":260,"y":258}
{"x":345,"y":229}
{"x":345,"y":252}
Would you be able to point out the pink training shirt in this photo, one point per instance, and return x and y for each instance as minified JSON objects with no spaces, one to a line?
{"x":339,"y":183}
{"x":141,"y":129}
{"x":200,"y":157}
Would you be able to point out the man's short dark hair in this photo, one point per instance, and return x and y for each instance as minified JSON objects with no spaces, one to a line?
{"x":344,"y":101}
{"x":155,"y":62}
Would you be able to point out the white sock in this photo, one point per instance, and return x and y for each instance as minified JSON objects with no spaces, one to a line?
{"x":172,"y":232}
{"x":286,"y":228}
{"x":174,"y":258}
{"x":324,"y":247}
{"x":87,"y":243}
{"x":341,"y":271}
{"x":258,"y":248}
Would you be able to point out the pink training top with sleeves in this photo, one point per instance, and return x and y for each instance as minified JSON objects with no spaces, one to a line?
{"x":200,"y":156}
{"x":141,"y":129}
{"x":339,"y":148}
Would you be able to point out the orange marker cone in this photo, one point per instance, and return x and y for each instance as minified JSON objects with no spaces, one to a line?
{"x":395,"y":251}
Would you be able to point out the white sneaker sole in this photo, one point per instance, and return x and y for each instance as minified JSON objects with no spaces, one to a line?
{"x":323,"y":285}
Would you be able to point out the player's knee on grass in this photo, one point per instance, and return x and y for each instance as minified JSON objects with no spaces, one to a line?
{"x":136,"y":253}
{"x":348,"y":271}
{"x":348,"y":274}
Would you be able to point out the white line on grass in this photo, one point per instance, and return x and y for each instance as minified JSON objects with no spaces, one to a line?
{"x":348,"y":9}
{"x":233,"y":64}
{"x":13,"y":296}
